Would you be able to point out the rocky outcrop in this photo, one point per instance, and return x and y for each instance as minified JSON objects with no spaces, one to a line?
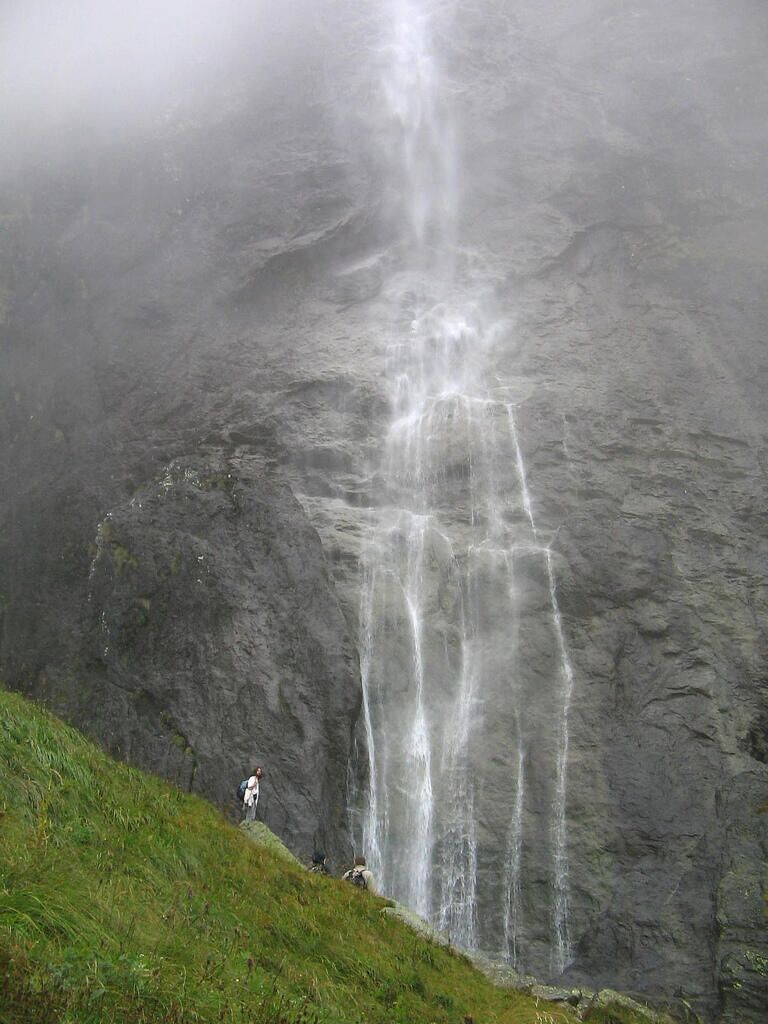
{"x":259,"y":834}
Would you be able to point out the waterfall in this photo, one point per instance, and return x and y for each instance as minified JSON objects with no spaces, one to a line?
{"x":412,"y":87}
{"x":453,"y":714}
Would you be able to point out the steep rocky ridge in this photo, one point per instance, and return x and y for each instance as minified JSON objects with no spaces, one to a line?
{"x":195,"y":327}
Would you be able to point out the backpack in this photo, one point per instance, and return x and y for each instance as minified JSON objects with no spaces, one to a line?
{"x":241,"y":789}
{"x":357,"y":878}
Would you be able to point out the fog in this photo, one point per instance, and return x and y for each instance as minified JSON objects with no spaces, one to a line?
{"x":102,"y":69}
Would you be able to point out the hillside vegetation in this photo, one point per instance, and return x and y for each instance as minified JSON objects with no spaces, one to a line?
{"x":123,"y":899}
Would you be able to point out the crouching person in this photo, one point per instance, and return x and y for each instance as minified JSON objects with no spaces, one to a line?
{"x":360,"y":876}
{"x":319,"y":865}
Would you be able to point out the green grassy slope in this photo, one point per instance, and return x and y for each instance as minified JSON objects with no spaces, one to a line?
{"x":123,"y":899}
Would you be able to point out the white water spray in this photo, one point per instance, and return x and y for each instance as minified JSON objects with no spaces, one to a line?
{"x":441,"y":625}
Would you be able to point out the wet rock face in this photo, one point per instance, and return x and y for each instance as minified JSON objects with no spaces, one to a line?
{"x":161,"y":585}
{"x":643,"y":435}
{"x":740,"y":898}
{"x":217,"y":645}
{"x":212,"y":641}
{"x":193,"y":417}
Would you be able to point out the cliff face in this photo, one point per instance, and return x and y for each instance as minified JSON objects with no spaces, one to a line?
{"x":638,"y":321}
{"x":161,"y":583}
{"x":194,"y":415}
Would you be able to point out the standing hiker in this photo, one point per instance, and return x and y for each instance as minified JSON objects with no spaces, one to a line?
{"x":251,"y":796}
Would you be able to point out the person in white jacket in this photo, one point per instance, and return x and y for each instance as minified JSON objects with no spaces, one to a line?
{"x":251,"y":798}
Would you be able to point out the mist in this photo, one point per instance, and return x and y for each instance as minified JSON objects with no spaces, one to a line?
{"x":98,"y":73}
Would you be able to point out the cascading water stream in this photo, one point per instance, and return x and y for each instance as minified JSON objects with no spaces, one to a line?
{"x":446,"y":716}
{"x":561,"y":949}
